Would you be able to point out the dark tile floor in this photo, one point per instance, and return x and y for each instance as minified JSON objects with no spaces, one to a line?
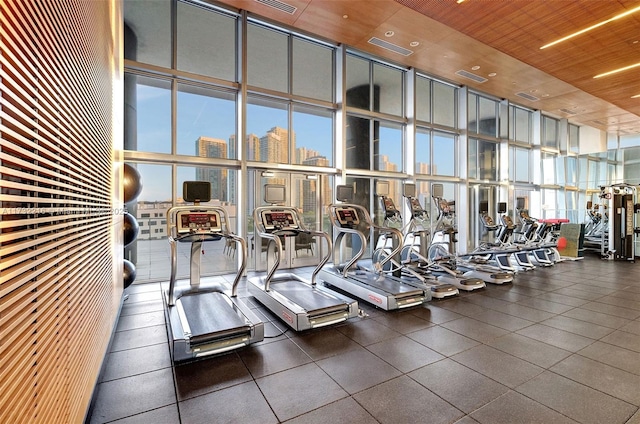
{"x":559,"y":345}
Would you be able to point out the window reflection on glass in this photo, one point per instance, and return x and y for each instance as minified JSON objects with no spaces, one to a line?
{"x":312,"y":70}
{"x":148,"y":31}
{"x":444,"y":154}
{"x":423,"y":151}
{"x":206,"y":42}
{"x":572,"y":172}
{"x":574,"y":138}
{"x":487,"y":117}
{"x":153,"y":115}
{"x":268,"y":131}
{"x":388,"y":148}
{"x":472,"y":158}
{"x":267,"y":58}
{"x":205,"y":122}
{"x":472,"y":106}
{"x":388,"y":89}
{"x":313,"y":129}
{"x":358,"y":83}
{"x":487,"y":160}
{"x":444,"y":104}
{"x":522,"y":125}
{"x":560,"y":175}
{"x":521,"y":165}
{"x":548,"y":164}
{"x":593,"y":174}
{"x":423,"y":99}
{"x":358,"y":147}
{"x":549,"y":132}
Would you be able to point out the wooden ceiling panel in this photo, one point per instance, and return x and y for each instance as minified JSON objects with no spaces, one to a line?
{"x":499,"y":36}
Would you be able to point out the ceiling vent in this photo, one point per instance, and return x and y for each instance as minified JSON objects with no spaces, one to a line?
{"x":467,"y":74}
{"x":280,"y":5}
{"x":568,"y":111}
{"x":527,"y":96}
{"x":390,"y":46}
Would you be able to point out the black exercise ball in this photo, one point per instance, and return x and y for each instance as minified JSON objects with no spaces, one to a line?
{"x":132,"y":183}
{"x":131,"y":228}
{"x":128,"y":273}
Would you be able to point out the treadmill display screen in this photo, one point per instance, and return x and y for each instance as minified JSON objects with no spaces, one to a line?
{"x":348,"y":216}
{"x":415,"y":205}
{"x":279,"y":220}
{"x":201,"y":222}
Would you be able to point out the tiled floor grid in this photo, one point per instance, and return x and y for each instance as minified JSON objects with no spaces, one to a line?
{"x":559,"y":345}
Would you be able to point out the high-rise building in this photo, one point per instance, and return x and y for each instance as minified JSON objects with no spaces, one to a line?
{"x":213,"y":148}
{"x":274,"y":146}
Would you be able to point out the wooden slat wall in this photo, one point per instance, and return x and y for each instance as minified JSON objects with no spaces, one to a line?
{"x":59,"y":285}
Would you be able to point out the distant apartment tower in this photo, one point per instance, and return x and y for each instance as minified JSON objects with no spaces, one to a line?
{"x":274,"y":146}
{"x":213,"y":148}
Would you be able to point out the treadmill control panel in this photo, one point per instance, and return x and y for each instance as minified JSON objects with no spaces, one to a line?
{"x":279,"y":220}
{"x":202,"y":222}
{"x":347,"y":217}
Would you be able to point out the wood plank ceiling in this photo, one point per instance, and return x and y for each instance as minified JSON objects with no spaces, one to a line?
{"x":497,"y":37}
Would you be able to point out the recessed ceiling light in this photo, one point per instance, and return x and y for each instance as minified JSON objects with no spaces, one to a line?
{"x":492,"y":74}
{"x":389,"y":34}
{"x":615,"y":71}
{"x":475,"y":68}
{"x":636,"y":96}
{"x":599,"y":24}
{"x":345,"y":16}
{"x":533,"y":90}
{"x":545,"y":95}
{"x":414,"y":44}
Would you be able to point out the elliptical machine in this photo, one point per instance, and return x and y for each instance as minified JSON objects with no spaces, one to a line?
{"x":415,"y":236}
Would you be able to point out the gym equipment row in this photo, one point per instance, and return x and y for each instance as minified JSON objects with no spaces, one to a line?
{"x":408,"y":267}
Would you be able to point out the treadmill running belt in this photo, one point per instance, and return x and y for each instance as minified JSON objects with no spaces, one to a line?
{"x":386,"y":284}
{"x":212,"y":313}
{"x":305,"y":296}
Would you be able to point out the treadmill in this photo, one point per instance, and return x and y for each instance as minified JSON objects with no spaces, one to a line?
{"x":299,"y":303}
{"x":205,"y":318}
{"x":384,"y":291}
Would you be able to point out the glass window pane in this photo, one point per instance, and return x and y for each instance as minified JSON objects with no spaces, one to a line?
{"x":267,"y":131}
{"x":549,"y":132}
{"x":473,"y":112}
{"x":358,"y":147}
{"x":387,"y":85}
{"x":150,"y":211}
{"x":206,"y":42}
{"x":147,"y":34}
{"x":522,"y":166}
{"x":205,"y":122}
{"x":313,"y":129}
{"x":423,"y":152}
{"x":444,"y":154}
{"x":560,"y":177}
{"x":487,"y":117}
{"x":388,"y":148}
{"x":215,"y":258}
{"x":593,"y":177}
{"x":487,"y":160}
{"x":267,"y":58}
{"x":444,"y":104}
{"x":358,"y":83}
{"x":423,"y":99}
{"x":152,"y":121}
{"x":312,"y":70}
{"x":572,"y":172}
{"x":472,"y":158}
{"x":523,"y":125}
{"x":574,"y":138}
{"x":548,"y":168}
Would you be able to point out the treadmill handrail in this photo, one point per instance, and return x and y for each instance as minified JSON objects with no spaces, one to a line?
{"x":257,"y":219}
{"x":367,"y":218}
{"x":173,"y":238}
